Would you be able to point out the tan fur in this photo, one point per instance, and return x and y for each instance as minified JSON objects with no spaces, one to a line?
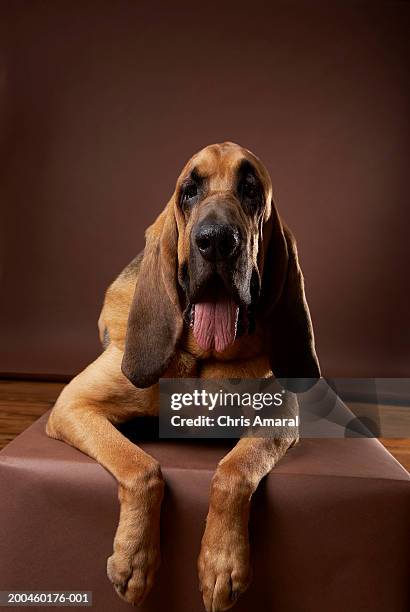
{"x":100,"y":397}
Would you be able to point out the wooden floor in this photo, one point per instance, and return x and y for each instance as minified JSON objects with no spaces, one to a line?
{"x":22,"y":402}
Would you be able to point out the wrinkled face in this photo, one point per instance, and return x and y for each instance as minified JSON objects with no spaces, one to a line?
{"x":223,"y":201}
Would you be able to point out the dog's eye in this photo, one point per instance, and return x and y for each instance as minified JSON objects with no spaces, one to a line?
{"x":189,"y":192}
{"x":249,"y":191}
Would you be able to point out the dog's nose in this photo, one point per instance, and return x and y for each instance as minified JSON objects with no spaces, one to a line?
{"x":216,"y":241}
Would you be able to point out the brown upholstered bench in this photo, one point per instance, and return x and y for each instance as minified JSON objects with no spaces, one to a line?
{"x":329,"y":526}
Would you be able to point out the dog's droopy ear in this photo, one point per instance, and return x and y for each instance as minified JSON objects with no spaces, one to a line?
{"x":155,"y":319}
{"x":291,"y":343}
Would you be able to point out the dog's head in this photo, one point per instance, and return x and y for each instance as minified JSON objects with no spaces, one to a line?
{"x":215,"y":258}
{"x":223,"y":201}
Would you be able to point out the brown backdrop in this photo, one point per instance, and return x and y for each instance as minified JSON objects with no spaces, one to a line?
{"x":104,"y":101}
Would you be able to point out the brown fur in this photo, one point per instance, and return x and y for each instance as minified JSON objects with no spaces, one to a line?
{"x":146,"y":347}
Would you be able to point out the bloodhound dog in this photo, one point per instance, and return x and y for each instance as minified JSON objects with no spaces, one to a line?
{"x":216,"y":293}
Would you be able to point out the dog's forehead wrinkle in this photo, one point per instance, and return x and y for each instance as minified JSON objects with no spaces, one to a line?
{"x":218,"y":162}
{"x":227,"y":153}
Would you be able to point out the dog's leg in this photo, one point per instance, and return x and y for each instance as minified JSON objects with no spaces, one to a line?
{"x":84,"y":416}
{"x":224,"y":561}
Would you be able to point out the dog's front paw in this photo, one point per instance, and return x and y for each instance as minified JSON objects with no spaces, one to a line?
{"x":132,"y":571}
{"x":136,"y":557}
{"x":223,"y":564}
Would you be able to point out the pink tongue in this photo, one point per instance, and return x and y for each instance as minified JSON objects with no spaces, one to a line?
{"x":215,"y":324}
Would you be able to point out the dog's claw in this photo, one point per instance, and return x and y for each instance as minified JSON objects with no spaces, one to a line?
{"x":133,"y":578}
